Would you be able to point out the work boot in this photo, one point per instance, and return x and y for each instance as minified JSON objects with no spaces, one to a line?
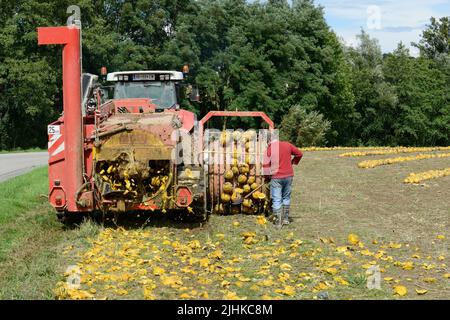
{"x":277,"y":218}
{"x":286,"y":219}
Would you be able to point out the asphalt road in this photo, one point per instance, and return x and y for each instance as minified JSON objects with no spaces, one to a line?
{"x":14,"y":164}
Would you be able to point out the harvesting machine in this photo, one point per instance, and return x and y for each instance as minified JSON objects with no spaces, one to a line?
{"x":137,"y":150}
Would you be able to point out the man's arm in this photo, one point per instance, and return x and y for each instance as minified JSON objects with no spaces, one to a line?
{"x":297,"y":155}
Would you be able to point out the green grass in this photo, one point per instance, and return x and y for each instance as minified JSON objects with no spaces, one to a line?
{"x":32,"y":239}
{"x":20,"y":194}
{"x":19,"y":150}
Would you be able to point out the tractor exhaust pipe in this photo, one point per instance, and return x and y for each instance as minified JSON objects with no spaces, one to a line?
{"x":69,"y":37}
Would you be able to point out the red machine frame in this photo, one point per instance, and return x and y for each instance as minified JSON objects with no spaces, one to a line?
{"x":63,"y":193}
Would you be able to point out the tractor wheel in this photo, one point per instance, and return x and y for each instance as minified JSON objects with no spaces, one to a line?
{"x":195,"y":213}
{"x":70,"y":219}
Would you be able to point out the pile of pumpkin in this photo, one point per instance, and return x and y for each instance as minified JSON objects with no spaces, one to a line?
{"x":131,"y":180}
{"x":242,"y":190}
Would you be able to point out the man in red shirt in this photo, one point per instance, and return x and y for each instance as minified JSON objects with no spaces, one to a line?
{"x":278,"y":165}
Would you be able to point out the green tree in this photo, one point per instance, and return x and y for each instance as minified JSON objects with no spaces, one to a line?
{"x":304,"y":128}
{"x":435,"y":39}
{"x":376,"y":101}
{"x":27,"y":80}
{"x":422,"y":112}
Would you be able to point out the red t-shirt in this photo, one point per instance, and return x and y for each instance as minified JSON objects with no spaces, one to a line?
{"x":278,"y":160}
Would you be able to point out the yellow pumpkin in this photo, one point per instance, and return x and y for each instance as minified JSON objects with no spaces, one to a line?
{"x":239,"y":190}
{"x":247,"y":203}
{"x":259,"y":195}
{"x":244,"y":168}
{"x":228,"y":187}
{"x":219,"y":208}
{"x":246,"y":188}
{"x":235,"y":197}
{"x":242,"y":179}
{"x":225,"y":197}
{"x":229,"y":174}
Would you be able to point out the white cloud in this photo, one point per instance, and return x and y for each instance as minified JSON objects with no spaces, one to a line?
{"x":394,"y":12}
{"x":388,"y":40}
{"x":400,"y":20}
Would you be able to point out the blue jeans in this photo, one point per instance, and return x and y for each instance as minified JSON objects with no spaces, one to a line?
{"x":280,"y":191}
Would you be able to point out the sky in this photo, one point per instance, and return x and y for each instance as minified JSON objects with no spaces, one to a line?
{"x":390,"y":21}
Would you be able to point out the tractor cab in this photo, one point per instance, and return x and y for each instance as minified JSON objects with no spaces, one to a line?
{"x":161,"y":87}
{"x":165,"y":89}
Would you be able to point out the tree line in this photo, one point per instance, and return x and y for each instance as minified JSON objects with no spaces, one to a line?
{"x":278,"y":57}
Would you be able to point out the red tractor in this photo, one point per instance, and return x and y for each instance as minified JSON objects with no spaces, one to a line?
{"x":139,"y":151}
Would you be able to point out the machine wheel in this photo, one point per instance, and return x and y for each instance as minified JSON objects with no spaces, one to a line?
{"x":195,"y":214}
{"x":200,"y":215}
{"x":70,"y":219}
